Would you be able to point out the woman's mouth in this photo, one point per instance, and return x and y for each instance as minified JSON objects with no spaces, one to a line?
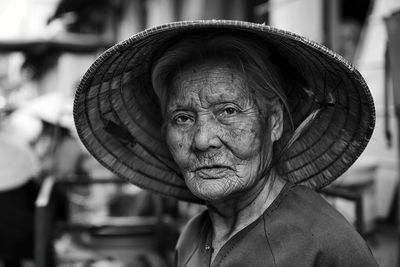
{"x":212,"y":172}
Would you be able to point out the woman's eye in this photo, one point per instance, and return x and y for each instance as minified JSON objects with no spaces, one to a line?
{"x":182,"y":119}
{"x":229,"y":111}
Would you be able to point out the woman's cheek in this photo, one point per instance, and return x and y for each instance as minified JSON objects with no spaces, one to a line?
{"x":244,"y":142}
{"x":178,"y":145}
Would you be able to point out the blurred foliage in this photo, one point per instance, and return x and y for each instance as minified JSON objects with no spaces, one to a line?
{"x":88,"y":16}
{"x":39,"y":59}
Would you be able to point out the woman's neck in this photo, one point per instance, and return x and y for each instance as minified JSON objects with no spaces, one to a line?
{"x":231,"y":216}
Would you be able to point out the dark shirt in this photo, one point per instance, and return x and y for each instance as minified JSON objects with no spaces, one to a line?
{"x":298,"y":229}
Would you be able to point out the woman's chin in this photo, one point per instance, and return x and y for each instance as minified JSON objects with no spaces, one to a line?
{"x":212,"y":190}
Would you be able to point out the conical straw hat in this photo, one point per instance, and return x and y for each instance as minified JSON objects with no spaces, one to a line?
{"x":118,"y":118}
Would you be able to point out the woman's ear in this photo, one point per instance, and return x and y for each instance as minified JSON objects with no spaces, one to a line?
{"x":276,"y":120}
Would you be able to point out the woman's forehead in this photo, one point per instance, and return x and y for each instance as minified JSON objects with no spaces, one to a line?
{"x":210,"y":81}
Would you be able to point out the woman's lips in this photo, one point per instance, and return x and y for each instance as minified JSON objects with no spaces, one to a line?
{"x":214,"y":172}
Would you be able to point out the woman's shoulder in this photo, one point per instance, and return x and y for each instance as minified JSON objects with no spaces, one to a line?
{"x":306,"y":203}
{"x":306,"y":209}
{"x":304,"y":219}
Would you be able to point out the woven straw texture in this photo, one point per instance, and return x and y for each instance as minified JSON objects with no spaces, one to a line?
{"x":119,"y":121}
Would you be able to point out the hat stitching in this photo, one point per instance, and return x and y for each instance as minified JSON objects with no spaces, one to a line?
{"x":311,"y":62}
{"x":326,"y":151}
{"x":163,"y":165}
{"x":305,"y":131}
{"x":339,"y":157}
{"x":132,"y":120}
{"x":111,"y":152}
{"x":317,"y":140}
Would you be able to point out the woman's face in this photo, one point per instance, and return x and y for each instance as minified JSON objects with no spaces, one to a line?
{"x":214,"y":131}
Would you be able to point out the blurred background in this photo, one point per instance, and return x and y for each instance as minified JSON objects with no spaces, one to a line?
{"x":66,"y":210}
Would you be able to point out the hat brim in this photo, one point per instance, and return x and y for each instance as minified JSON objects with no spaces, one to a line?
{"x":118,"y":118}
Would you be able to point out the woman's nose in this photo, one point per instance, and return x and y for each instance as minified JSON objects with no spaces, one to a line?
{"x":206,"y":136}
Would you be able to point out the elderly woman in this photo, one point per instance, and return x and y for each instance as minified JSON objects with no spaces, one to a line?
{"x":246,"y":119}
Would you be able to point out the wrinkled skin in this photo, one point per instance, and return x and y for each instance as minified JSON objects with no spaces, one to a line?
{"x":215,"y":132}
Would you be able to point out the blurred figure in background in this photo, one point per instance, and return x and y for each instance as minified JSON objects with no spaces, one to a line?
{"x":18,"y":188}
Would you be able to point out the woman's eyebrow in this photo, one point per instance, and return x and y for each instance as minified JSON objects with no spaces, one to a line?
{"x":241,"y":100}
{"x":179,"y":104}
